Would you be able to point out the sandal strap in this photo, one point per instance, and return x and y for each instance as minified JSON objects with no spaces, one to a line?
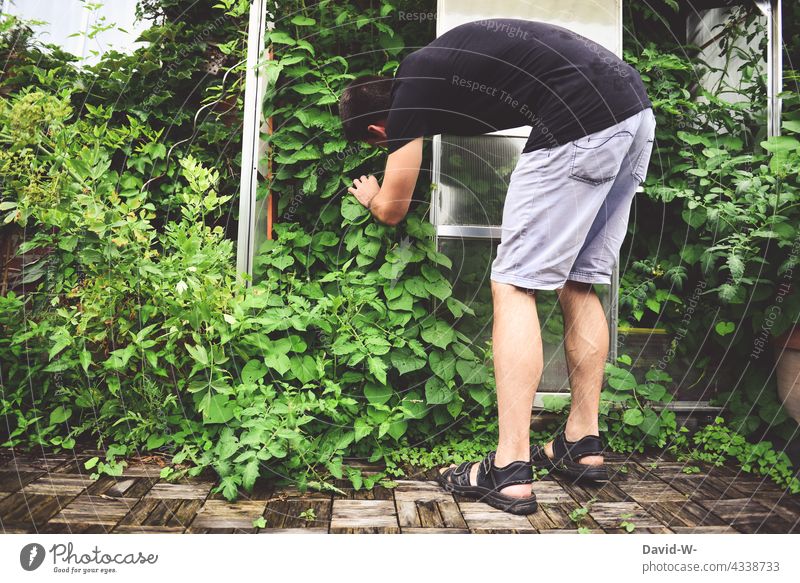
{"x":575,"y":450}
{"x":460,"y":474}
{"x":494,"y":478}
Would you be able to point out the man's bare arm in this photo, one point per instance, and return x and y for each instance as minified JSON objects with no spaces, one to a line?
{"x":389,"y":202}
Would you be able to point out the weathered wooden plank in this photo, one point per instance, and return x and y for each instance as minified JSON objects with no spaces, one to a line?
{"x":140,"y":511}
{"x":704,"y":530}
{"x":141,"y":470}
{"x":184,"y":514}
{"x":550,"y":492}
{"x":309,"y":530}
{"x":13,"y":481}
{"x":451,"y":514}
{"x":139,"y":489}
{"x":557,"y":515}
{"x":58,"y":485}
{"x":689,"y":514}
{"x":655,"y":491}
{"x":275,"y":513}
{"x":482,"y":517}
{"x":429,"y":515}
{"x":407,"y":515}
{"x":165,"y":510}
{"x":87,"y":509}
{"x":36,"y":463}
{"x":540,"y":520}
{"x":412,"y":530}
{"x":181,"y":490}
{"x":363,"y":516}
{"x":420,"y":491}
{"x":147,"y":529}
{"x":603,"y":492}
{"x":20,"y":510}
{"x":77,"y":528}
{"x":609,"y":515}
{"x":696,"y":488}
{"x":237,"y":515}
{"x":295,"y":507}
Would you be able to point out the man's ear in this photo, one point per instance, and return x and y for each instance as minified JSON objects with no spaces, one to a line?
{"x":378,"y":130}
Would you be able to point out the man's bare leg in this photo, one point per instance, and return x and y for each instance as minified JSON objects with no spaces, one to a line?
{"x":586,"y":347}
{"x":517,"y":350}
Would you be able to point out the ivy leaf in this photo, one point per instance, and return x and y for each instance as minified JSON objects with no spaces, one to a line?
{"x":437,"y":392}
{"x":633,"y":417}
{"x":724,"y":328}
{"x":406,"y":363}
{"x":482,"y":395}
{"x":440,"y":334}
{"x":443,"y":365}
{"x":253,"y":371}
{"x":377,"y":394}
{"x":622,"y":380}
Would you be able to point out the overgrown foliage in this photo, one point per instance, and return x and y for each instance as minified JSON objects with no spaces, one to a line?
{"x":140,"y":334}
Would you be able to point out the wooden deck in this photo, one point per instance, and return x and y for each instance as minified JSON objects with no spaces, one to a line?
{"x":54,"y":494}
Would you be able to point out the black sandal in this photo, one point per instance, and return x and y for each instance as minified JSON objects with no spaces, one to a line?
{"x":491,"y":480}
{"x":566,"y":455}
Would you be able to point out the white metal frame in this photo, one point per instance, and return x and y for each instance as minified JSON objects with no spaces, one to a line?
{"x":253,"y":96}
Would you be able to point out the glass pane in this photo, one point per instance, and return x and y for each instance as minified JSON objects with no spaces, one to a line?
{"x":472,"y":259}
{"x":473,"y":178}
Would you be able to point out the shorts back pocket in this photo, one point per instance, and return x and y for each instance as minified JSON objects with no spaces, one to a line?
{"x":597,"y":158}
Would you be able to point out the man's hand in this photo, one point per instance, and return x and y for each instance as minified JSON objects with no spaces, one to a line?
{"x":389,"y":201}
{"x":365,"y":189}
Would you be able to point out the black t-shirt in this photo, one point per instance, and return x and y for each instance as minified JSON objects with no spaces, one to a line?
{"x":502,"y":73}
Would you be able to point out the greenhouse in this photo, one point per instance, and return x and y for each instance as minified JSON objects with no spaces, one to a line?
{"x":204,"y":328}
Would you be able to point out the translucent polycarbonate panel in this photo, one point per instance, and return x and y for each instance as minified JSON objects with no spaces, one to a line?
{"x":598,"y":20}
{"x":68,"y":24}
{"x":472,"y":259}
{"x":723,"y":59}
{"x":473,"y":178}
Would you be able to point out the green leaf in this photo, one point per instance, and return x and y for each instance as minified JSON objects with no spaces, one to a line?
{"x":482,"y":395}
{"x":441,"y":289}
{"x":155,"y":441}
{"x":253,"y":371}
{"x":443,"y":365}
{"x":437,"y":392}
{"x":301,"y":20}
{"x":779,"y":144}
{"x":59,"y":415}
{"x":622,"y":380}
{"x":440,"y":334}
{"x":724,"y":328}
{"x":633,"y":417}
{"x":378,"y":368}
{"x":217,"y":409}
{"x":406,"y":363}
{"x":361,"y":428}
{"x":377,"y":394}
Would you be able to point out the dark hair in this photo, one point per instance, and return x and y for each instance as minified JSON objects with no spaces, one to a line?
{"x":364,"y":101}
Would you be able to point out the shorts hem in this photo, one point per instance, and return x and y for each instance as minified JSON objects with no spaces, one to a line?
{"x":525,"y":282}
{"x":588,"y":277}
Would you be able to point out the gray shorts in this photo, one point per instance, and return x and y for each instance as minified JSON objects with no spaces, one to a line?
{"x":567,"y":208}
